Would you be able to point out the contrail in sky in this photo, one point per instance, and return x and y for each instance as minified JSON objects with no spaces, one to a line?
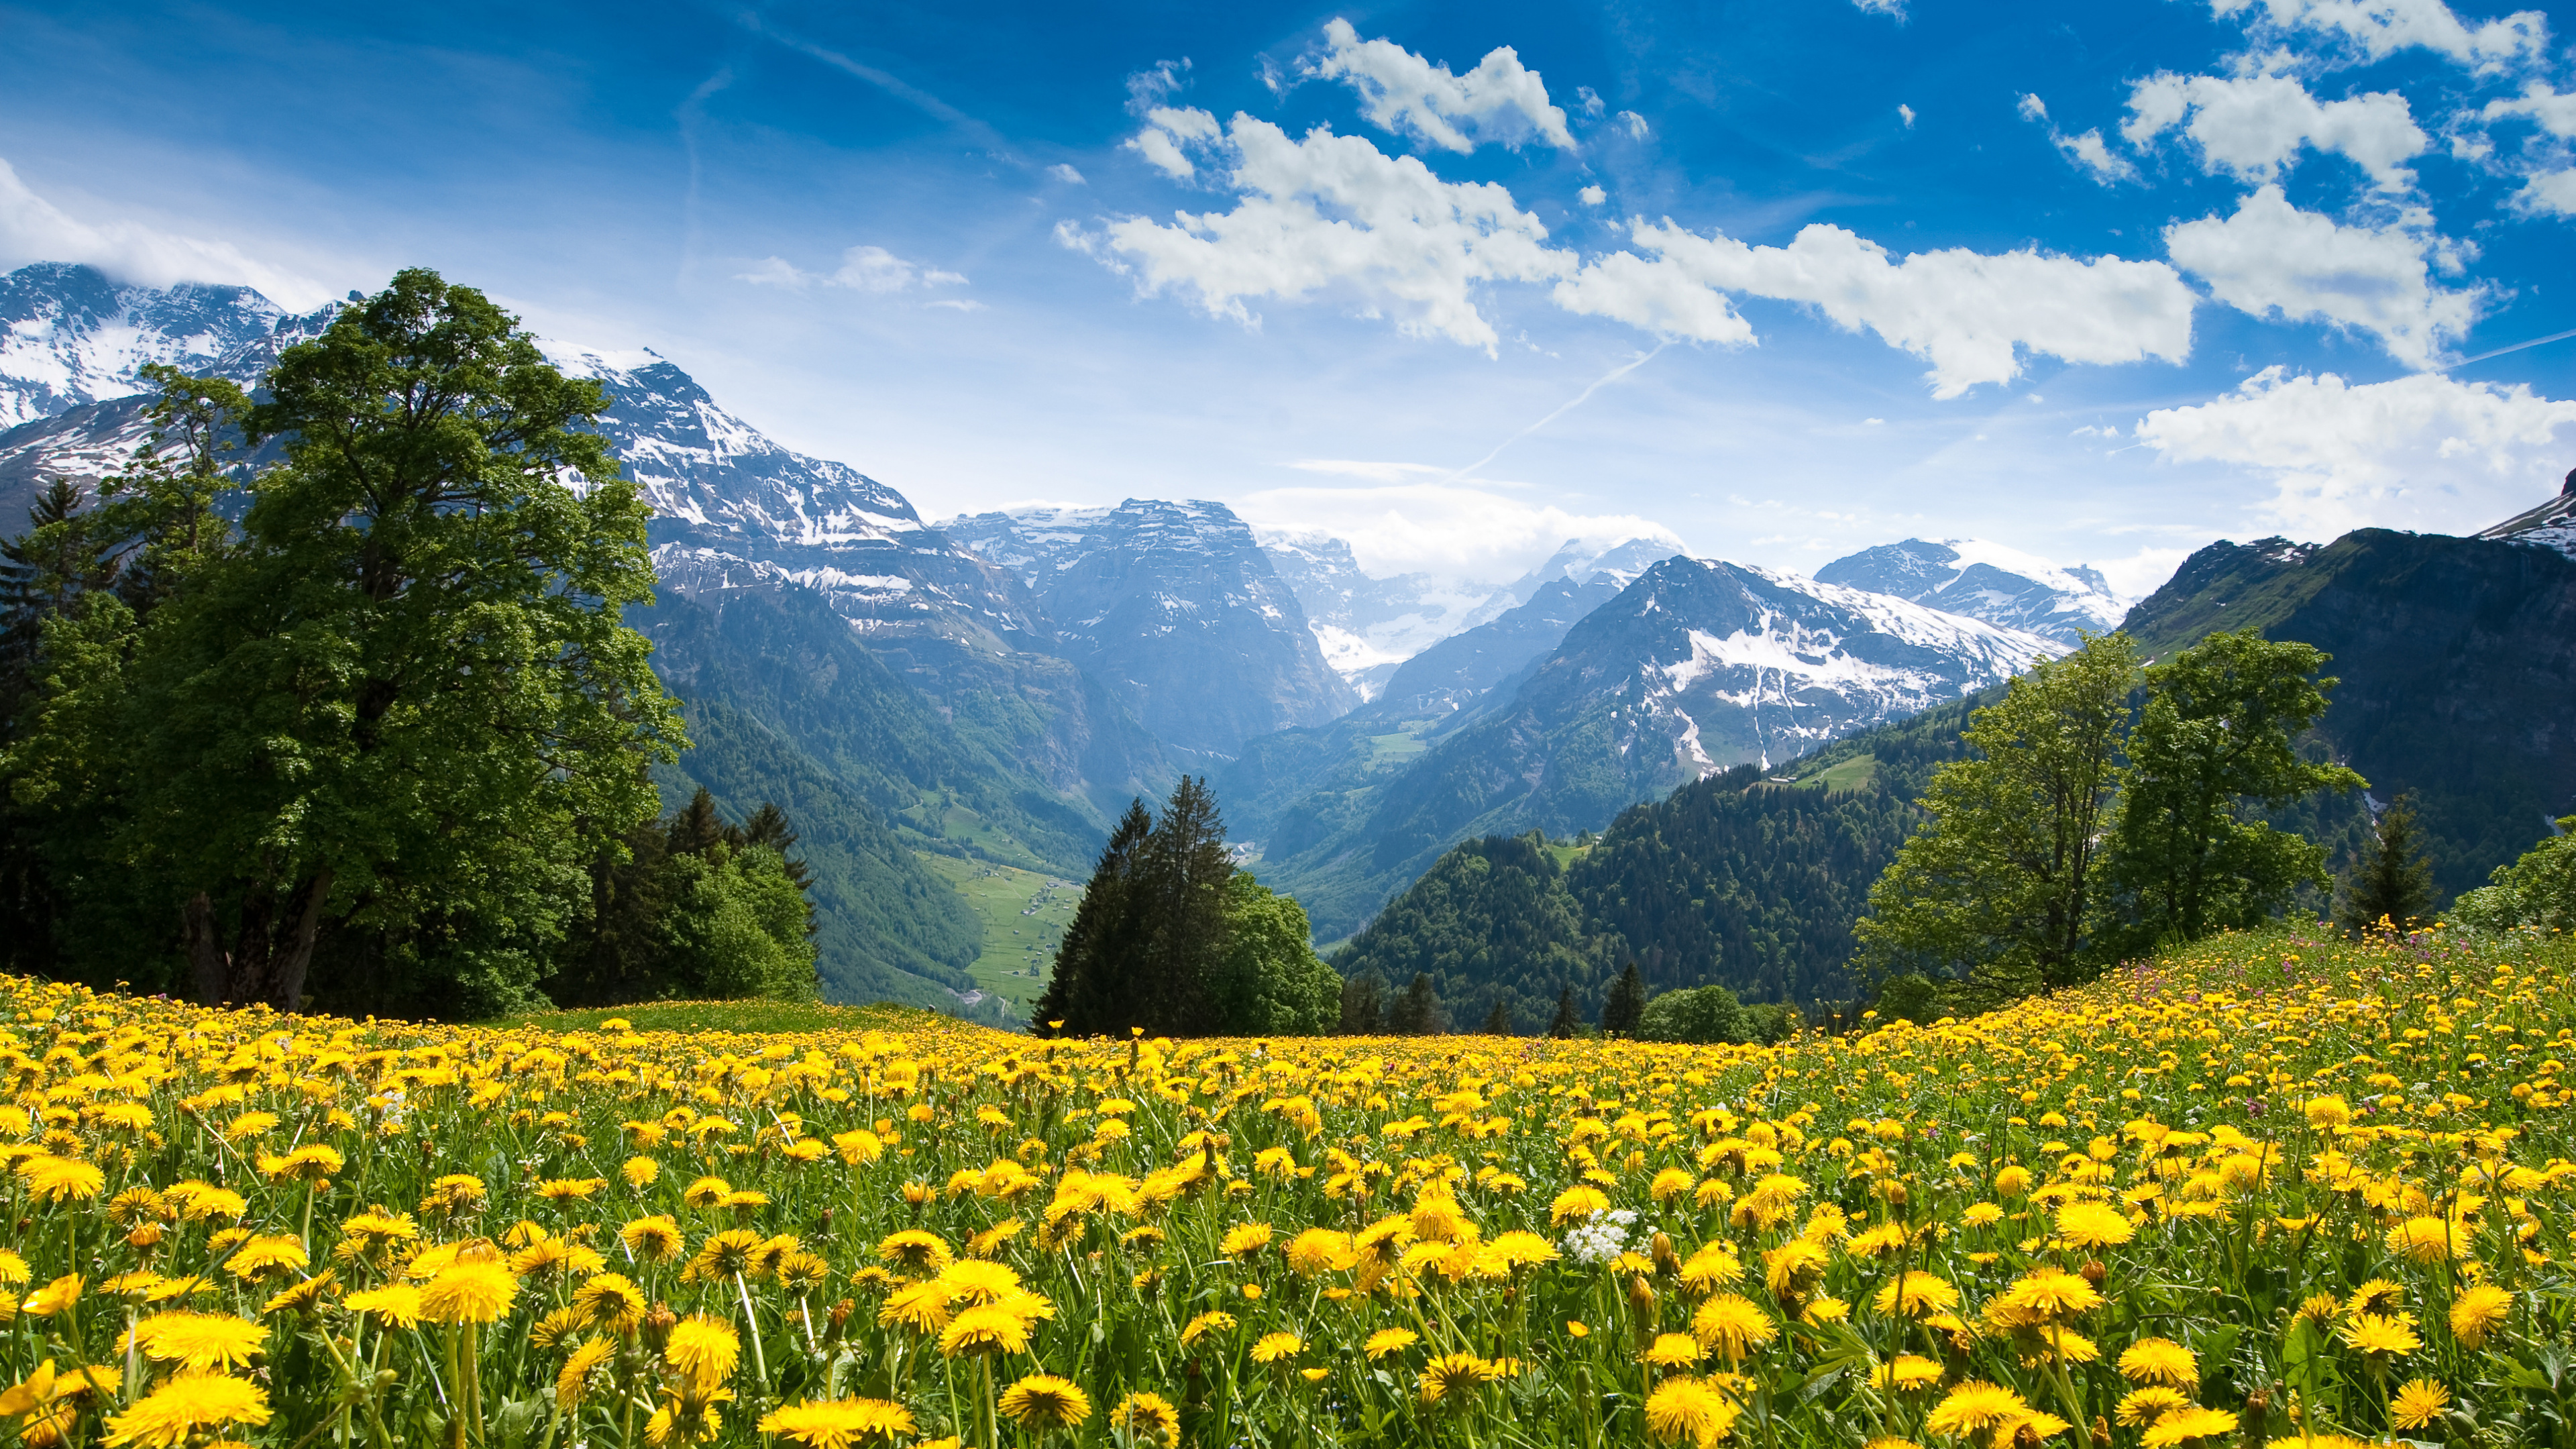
{"x":1613,"y":375}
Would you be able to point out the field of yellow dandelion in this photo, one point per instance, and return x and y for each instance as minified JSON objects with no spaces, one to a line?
{"x":2270,"y":1190}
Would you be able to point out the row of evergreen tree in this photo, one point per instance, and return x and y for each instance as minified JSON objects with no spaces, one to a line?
{"x":327,"y":700}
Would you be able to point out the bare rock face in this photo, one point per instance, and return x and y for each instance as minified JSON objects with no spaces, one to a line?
{"x":1176,"y":608}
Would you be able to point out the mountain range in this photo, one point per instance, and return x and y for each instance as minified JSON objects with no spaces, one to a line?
{"x":996,"y":686}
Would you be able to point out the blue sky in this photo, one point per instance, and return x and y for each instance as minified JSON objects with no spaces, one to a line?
{"x":2098,"y":282}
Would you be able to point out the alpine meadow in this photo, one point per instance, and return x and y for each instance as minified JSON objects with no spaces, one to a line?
{"x":998,"y":726}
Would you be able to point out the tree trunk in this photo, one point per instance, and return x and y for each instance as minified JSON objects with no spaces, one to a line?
{"x":265,"y":969}
{"x":210,"y":970}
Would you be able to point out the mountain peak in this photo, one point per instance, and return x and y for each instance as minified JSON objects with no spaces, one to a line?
{"x":1981,"y":579}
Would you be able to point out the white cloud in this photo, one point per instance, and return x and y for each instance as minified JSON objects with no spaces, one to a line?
{"x":1371,"y":469}
{"x":863,"y":269}
{"x":1150,"y":87}
{"x":1168,"y":136}
{"x":2086,"y":151}
{"x":2422,"y":452}
{"x":2555,"y":112}
{"x":33,"y":229}
{"x":1635,"y":124}
{"x":2372,"y":30}
{"x":1333,"y":214}
{"x":1064,"y":172}
{"x":2141,"y":573}
{"x":2549,"y":191}
{"x":1449,"y":530}
{"x":1962,"y":311}
{"x":1883,"y":7}
{"x":1590,"y":100}
{"x":1906,"y":114}
{"x":1592,"y":196}
{"x":2272,"y":258}
{"x":2250,"y":126}
{"x":1500,"y":100}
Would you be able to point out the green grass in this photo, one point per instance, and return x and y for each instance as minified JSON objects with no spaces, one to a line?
{"x":1851,"y":774}
{"x":1393,"y":748}
{"x":1566,"y":852}
{"x":1019,"y":949}
{"x":750,"y":1016}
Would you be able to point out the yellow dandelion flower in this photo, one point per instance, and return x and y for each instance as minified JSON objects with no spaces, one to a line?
{"x":1974,"y":1406}
{"x":2418,"y":1404}
{"x":1916,"y":1295}
{"x":469,"y":1292}
{"x":395,"y":1303}
{"x":2094,"y":1225}
{"x":1453,"y":1375}
{"x":2160,"y":1361}
{"x":2479,"y":1311}
{"x":186,"y":1405}
{"x":2145,"y":1406}
{"x":1689,"y":1410}
{"x":985,"y":1328}
{"x":838,"y":1423}
{"x":1672,"y":1350}
{"x":199,"y":1340}
{"x":703,"y":1349}
{"x":1389,"y":1340}
{"x":2182,"y":1426}
{"x":1044,"y":1401}
{"x":2380,"y":1334}
{"x":1148,"y":1416}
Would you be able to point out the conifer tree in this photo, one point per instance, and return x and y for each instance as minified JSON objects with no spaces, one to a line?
{"x":1626,"y":1004}
{"x":1086,"y":994}
{"x":1418,"y":1012}
{"x":1498,"y":1022}
{"x":1363,"y":1005}
{"x":2393,"y":881}
{"x":1568,"y":1022}
{"x":1183,"y":889}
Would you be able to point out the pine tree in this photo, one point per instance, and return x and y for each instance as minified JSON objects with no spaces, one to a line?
{"x":1568,"y":1022}
{"x":1498,"y":1022}
{"x":697,"y":827}
{"x":1363,"y":1005}
{"x":1418,"y":1012}
{"x":1087,"y":994}
{"x":1187,"y":870}
{"x":2393,"y":881}
{"x":1626,"y":1004}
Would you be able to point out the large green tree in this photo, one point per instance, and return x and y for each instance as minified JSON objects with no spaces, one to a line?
{"x":1084,"y":993}
{"x":2216,"y":740}
{"x":2392,"y":881}
{"x":1269,"y":981}
{"x":2538,"y":890}
{"x":399,"y":712}
{"x":1999,"y":882}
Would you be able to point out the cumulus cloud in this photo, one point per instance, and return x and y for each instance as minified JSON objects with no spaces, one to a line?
{"x":33,"y":229}
{"x":2551,"y":185}
{"x":1906,"y":114}
{"x":2087,"y":151}
{"x":1500,"y":100}
{"x":2551,"y":191}
{"x":1592,"y":196}
{"x":2272,"y":259}
{"x":1883,"y":7}
{"x":1635,"y":125}
{"x":2373,"y":30}
{"x":1334,"y":215}
{"x":1449,"y":530}
{"x":2555,"y":112}
{"x":2423,"y":452}
{"x":1064,"y":172}
{"x":863,"y":269}
{"x":1964,"y":312}
{"x":2251,"y":126}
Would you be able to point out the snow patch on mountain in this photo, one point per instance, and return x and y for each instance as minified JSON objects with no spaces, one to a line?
{"x":1981,"y":579}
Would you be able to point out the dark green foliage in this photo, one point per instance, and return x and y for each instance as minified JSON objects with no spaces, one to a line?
{"x":1567,"y":1022}
{"x":1701,"y":1015}
{"x":1625,"y":1006}
{"x":1767,"y":1023}
{"x":383,"y":727}
{"x":698,"y":909}
{"x":1910,"y":997}
{"x":1172,"y":938}
{"x":1086,"y":988}
{"x":2000,"y":881}
{"x":2214,"y":742}
{"x":1498,"y":1022}
{"x":886,"y":928}
{"x":1418,"y":1012}
{"x":1363,"y":1005}
{"x":1491,"y":925}
{"x":2457,"y":658}
{"x":2392,"y":881}
{"x":2538,"y":891}
{"x":1733,"y":881}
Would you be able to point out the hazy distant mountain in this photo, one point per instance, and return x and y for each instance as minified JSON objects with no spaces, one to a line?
{"x":1984,"y":581}
{"x":1368,"y":627}
{"x":1176,"y":609}
{"x":1696,"y":666}
{"x":69,"y":336}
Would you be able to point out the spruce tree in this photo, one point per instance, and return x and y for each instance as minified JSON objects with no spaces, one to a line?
{"x":1363,"y":1005}
{"x":1568,"y":1022}
{"x":1626,"y":1004}
{"x":2393,"y":881}
{"x":1418,"y":1011}
{"x":1498,"y":1022}
{"x":1187,"y":870}
{"x":1088,"y":993}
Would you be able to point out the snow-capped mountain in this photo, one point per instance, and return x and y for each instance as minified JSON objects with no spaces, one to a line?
{"x":69,"y":336}
{"x":1176,"y":608}
{"x":1368,"y":626}
{"x":2551,"y":525}
{"x":1986,"y":581}
{"x":1581,"y":561}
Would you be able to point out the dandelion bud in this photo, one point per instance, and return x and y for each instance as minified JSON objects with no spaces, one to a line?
{"x":2101,"y":1432}
{"x":1668,"y":1264}
{"x":657,"y":1322}
{"x":840,"y":1314}
{"x":1641,"y":1303}
{"x":2094,"y":1272}
{"x":1895,"y":1194}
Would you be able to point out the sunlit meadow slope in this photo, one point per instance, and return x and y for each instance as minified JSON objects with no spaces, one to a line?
{"x":2271,"y":1189}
